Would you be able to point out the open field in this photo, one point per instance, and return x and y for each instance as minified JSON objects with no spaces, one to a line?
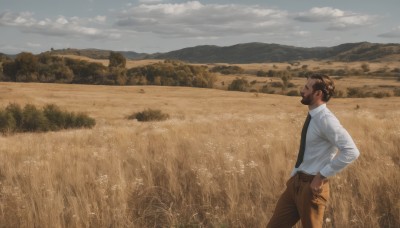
{"x":311,"y":64}
{"x":367,"y":83}
{"x":105,"y":62}
{"x":221,"y":160}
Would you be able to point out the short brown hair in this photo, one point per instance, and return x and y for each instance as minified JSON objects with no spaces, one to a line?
{"x":325,"y":84}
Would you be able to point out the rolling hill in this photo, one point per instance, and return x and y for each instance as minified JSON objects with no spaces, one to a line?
{"x":261,"y":52}
{"x":257,"y":53}
{"x":97,"y":53}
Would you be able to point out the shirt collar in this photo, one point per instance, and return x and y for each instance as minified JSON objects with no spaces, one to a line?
{"x":316,"y":110}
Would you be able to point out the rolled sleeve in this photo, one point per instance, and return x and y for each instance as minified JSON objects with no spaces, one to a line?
{"x":339,"y":137}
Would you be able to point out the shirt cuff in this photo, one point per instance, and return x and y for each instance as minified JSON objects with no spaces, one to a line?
{"x":327,"y":171}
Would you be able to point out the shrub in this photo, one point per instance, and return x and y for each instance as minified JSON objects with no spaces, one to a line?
{"x":227,"y":69}
{"x":355,"y":92}
{"x":338,"y":94}
{"x":83,"y":121}
{"x":396,"y":92}
{"x":381,"y":94}
{"x":7,"y":122}
{"x":291,"y":85}
{"x":33,"y":119}
{"x":239,"y":84}
{"x":266,"y":89}
{"x":149,"y":115}
{"x":79,"y":120}
{"x":276,"y":84}
{"x":365,"y":67}
{"x":16,"y":111}
{"x":261,"y":73}
{"x":55,"y":116}
{"x":171,"y":73}
{"x":396,"y":70}
{"x":30,"y":119}
{"x":293,"y":93}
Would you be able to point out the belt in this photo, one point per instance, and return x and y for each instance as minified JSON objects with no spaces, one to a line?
{"x":305,"y":177}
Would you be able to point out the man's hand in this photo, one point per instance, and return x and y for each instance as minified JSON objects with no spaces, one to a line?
{"x":316,"y":184}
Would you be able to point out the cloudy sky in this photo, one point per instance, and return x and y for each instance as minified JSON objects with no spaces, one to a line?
{"x":163,"y":25}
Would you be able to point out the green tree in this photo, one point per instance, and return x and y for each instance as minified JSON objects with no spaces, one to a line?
{"x":27,"y":66}
{"x":10,"y":70}
{"x":117,"y":60}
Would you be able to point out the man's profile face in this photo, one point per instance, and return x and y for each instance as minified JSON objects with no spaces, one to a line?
{"x":307,"y":93}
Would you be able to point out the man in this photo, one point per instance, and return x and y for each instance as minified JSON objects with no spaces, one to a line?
{"x":307,"y":190}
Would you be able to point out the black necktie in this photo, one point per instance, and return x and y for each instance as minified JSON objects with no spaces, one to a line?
{"x":303,"y":141}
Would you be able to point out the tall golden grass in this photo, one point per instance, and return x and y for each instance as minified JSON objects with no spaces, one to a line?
{"x":221,"y":160}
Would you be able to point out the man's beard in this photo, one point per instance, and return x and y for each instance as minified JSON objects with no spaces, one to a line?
{"x":306,"y":100}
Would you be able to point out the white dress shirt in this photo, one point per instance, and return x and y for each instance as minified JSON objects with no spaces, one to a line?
{"x":325,"y":136}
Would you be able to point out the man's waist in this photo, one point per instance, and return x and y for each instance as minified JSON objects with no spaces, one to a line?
{"x":304,"y":176}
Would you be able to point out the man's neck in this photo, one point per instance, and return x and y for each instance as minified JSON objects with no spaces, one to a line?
{"x":315,"y":105}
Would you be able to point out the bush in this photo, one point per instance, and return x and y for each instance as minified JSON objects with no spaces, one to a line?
{"x":171,"y":73}
{"x":79,"y":120}
{"x":55,"y":116}
{"x":227,"y":69}
{"x":83,"y":121}
{"x":381,"y":94}
{"x":149,"y":115}
{"x":293,"y":93}
{"x":16,"y":111}
{"x":365,"y":67}
{"x":355,"y":92}
{"x":338,"y":94}
{"x":30,"y":119}
{"x":33,"y":119}
{"x":276,"y":84}
{"x":261,"y":73}
{"x":266,"y":89}
{"x":396,"y":92}
{"x":7,"y":122}
{"x":239,"y":84}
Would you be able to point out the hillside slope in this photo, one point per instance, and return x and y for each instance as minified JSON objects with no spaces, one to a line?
{"x":258,"y":53}
{"x":261,"y":52}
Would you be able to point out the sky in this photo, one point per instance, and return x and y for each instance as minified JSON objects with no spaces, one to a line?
{"x":150,"y":26}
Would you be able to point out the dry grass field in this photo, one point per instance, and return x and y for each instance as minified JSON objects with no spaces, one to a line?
{"x":221,"y":160}
{"x":368,"y":83}
{"x":105,"y":62}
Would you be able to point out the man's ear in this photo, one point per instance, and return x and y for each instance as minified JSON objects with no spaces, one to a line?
{"x":320,"y":93}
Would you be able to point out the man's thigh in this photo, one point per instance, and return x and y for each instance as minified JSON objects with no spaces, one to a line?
{"x":312,"y":207}
{"x":285,"y":214}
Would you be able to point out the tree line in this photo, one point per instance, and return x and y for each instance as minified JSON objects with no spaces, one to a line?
{"x":48,"y":68}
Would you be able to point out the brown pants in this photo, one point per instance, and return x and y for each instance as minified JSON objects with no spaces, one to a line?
{"x":298,"y":202}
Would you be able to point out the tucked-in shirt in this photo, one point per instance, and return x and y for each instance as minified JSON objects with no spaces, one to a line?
{"x":325,"y":137}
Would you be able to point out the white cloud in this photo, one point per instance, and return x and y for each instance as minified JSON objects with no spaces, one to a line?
{"x":99,"y":19}
{"x":317,"y":14}
{"x":150,"y":1}
{"x":351,"y":21}
{"x":34,"y":45}
{"x":336,"y":18}
{"x":195,"y":19}
{"x":62,"y":26}
{"x":394,"y":33}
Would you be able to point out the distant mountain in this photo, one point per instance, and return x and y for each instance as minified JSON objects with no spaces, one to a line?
{"x":258,"y":53}
{"x":4,"y":57}
{"x":261,"y":52}
{"x":97,"y":53}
